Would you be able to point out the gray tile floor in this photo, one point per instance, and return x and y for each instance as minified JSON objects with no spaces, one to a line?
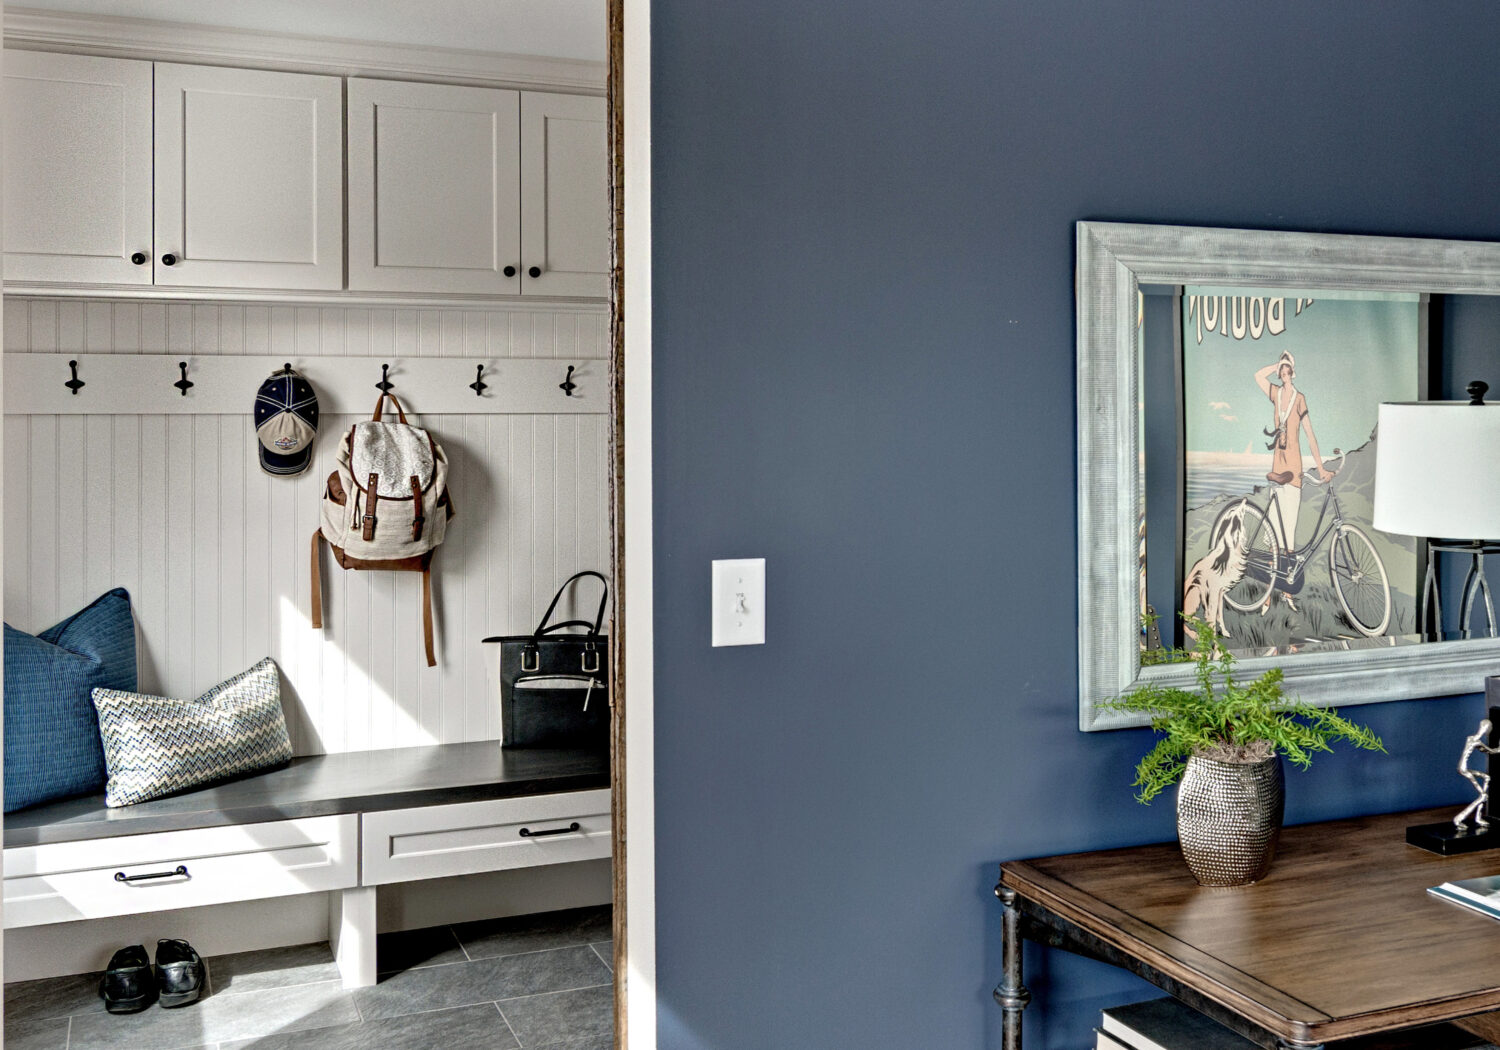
{"x":541,"y":982}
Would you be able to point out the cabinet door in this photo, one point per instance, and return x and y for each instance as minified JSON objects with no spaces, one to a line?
{"x":434,"y":188}
{"x":249,"y":178}
{"x":77,"y":169}
{"x":564,"y":195}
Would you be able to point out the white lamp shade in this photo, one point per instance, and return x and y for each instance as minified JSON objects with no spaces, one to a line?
{"x":1437,"y":470}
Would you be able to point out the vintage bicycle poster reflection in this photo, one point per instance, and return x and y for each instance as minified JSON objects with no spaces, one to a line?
{"x":1280,"y":395}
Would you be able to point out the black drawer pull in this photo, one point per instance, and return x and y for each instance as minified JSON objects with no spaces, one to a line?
{"x":527,"y":833}
{"x":181,"y":869}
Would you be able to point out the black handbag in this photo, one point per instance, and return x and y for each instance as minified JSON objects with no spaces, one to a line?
{"x":554,"y":688}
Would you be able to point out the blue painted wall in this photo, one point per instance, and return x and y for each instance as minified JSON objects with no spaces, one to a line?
{"x":863,"y":235}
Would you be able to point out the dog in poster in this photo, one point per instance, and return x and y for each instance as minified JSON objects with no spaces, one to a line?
{"x":1213,"y":574}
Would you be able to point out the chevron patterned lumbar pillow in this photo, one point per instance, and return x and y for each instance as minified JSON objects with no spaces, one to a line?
{"x":156,"y":746}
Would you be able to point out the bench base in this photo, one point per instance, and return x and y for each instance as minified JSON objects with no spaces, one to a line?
{"x":351,"y":934}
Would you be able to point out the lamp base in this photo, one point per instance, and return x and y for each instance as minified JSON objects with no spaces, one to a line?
{"x":1448,"y":840}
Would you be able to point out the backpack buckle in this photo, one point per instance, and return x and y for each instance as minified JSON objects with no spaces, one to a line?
{"x":590,"y":651}
{"x":536,"y":658}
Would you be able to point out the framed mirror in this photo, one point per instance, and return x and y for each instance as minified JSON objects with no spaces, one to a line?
{"x":1228,"y":384}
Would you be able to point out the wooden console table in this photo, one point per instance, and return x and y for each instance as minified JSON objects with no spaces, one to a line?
{"x":1340,"y":940}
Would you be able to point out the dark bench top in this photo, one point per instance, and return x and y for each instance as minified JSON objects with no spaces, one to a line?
{"x":356,"y":782}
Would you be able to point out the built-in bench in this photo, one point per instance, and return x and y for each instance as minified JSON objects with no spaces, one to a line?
{"x":342,"y":824}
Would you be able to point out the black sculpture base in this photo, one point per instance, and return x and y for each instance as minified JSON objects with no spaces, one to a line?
{"x":1448,"y":840}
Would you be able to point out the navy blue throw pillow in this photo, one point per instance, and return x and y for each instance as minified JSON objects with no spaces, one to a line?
{"x":52,"y":746}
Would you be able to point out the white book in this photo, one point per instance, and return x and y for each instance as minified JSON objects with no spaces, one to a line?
{"x":1481,"y":895}
{"x":1166,"y":1024}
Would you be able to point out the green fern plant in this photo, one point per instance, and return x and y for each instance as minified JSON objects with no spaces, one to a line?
{"x":1225,"y":720}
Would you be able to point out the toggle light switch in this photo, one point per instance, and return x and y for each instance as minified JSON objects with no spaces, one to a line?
{"x":739,"y":602}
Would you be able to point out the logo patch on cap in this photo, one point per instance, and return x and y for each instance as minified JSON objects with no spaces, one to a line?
{"x":287,"y":442}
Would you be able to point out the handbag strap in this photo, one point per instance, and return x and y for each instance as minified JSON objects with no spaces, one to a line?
{"x":543,"y":628}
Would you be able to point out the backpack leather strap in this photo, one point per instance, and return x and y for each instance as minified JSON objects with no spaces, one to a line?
{"x":400,"y":412}
{"x":427,"y":612}
{"x":317,"y":581}
{"x":372,"y":497}
{"x":416,"y":499}
{"x":317,"y":596}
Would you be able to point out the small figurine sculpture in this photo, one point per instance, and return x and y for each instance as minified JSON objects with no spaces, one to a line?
{"x":1481,"y":781}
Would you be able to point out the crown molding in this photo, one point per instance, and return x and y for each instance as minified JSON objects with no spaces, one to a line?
{"x":116,"y":37}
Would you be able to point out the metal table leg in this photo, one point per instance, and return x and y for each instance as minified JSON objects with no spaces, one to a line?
{"x":1431,"y":601}
{"x":1011,"y":994}
{"x":1475,"y":584}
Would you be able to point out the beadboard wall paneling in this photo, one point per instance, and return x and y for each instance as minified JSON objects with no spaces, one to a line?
{"x":215,"y":553}
{"x":60,"y":326}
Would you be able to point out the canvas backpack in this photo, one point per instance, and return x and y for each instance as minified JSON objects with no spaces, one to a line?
{"x":386,"y":506}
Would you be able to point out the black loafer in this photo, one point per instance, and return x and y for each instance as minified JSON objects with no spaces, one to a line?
{"x":127,"y":985}
{"x":179,"y":973}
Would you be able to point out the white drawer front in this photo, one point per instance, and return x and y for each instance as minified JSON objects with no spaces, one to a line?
{"x":430,"y":842}
{"x":77,"y":880}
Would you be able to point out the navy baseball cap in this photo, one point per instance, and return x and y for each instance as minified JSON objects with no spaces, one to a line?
{"x":286,"y":421}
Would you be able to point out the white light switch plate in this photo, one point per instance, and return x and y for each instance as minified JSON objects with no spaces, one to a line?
{"x":739,"y":602}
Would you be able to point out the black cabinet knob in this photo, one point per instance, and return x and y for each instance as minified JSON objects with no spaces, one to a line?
{"x":510,"y":271}
{"x":139,"y":258}
{"x":169,"y":260}
{"x":535,"y":271}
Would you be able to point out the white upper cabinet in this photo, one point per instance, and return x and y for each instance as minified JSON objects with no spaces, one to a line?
{"x":121,"y":172}
{"x":564,"y":195}
{"x":249,"y":178}
{"x":434,"y":188}
{"x":77,"y":169}
{"x":476,"y":191}
{"x":240,"y":186}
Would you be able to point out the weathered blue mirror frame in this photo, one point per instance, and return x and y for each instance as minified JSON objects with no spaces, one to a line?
{"x":1114,"y":260}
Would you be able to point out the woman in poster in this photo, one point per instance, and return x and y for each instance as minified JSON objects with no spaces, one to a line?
{"x":1290,"y":419}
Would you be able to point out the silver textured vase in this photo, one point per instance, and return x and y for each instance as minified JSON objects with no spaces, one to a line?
{"x":1229,"y":818}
